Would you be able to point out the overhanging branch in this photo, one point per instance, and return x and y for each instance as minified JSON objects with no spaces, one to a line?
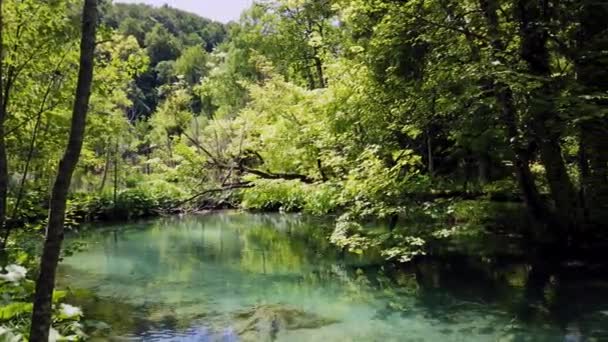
{"x":270,"y":175}
{"x":243,"y":185}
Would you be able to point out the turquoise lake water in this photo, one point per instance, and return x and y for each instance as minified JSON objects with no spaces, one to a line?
{"x":239,"y":276}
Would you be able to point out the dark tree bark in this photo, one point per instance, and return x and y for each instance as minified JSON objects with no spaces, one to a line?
{"x":321,"y":170}
{"x":592,"y":73}
{"x":533,"y":19}
{"x":429,"y":153}
{"x":115,"y":182}
{"x":3,"y":156}
{"x":594,"y":181}
{"x":319,"y":68}
{"x":310,"y":78}
{"x":429,"y":137}
{"x":104,"y":176}
{"x":273,"y":175}
{"x":508,"y":115}
{"x":41,"y":316}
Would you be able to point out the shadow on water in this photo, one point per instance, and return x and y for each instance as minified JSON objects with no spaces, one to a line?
{"x":191,"y":279}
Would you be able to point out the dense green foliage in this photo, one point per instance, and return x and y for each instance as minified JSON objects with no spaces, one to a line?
{"x":362,"y":108}
{"x":127,"y":79}
{"x":443,"y":118}
{"x":391,"y":105}
{"x":176,"y":43}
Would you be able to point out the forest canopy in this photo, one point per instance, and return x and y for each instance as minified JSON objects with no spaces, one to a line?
{"x":438,"y":113}
{"x":364,"y":108}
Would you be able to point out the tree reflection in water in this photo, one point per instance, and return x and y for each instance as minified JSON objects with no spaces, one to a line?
{"x":188,"y":277}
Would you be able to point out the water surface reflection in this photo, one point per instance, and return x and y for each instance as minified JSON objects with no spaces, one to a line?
{"x":237,"y":276}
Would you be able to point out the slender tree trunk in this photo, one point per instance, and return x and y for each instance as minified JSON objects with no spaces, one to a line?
{"x":6,"y":81}
{"x":104,"y":177}
{"x":3,"y":155}
{"x":41,"y":316}
{"x":171,"y":161}
{"x":583,"y":168}
{"x":30,"y":154}
{"x":20,"y":193}
{"x":115,"y":186}
{"x":319,"y":67}
{"x":311,"y":79}
{"x":429,"y":152}
{"x":429,"y":137}
{"x":318,"y":60}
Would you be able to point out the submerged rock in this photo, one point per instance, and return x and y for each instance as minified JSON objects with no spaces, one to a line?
{"x":265,"y":322}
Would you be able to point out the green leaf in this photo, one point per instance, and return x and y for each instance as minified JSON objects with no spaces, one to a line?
{"x":13,"y":310}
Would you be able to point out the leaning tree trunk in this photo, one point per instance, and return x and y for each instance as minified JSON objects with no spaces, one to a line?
{"x":533,"y":19}
{"x":104,"y":176}
{"x":41,"y":317}
{"x":508,"y":116}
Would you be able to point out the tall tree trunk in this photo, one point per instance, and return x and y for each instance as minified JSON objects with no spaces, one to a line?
{"x":429,"y":153}
{"x":41,"y":316}
{"x":592,"y":72}
{"x":583,"y":169}
{"x":309,"y":76}
{"x":115,"y":182}
{"x":429,"y":138}
{"x":3,"y":155}
{"x":319,"y":68}
{"x":104,"y":177}
{"x":534,"y":17}
{"x":504,"y":98}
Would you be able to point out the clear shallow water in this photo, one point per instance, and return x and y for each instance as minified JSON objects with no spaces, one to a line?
{"x":238,"y":277}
